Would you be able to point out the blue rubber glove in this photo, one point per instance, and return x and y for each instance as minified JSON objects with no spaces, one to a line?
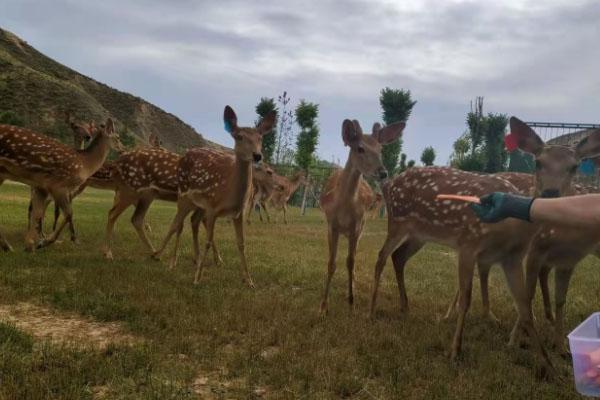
{"x":497,"y":206}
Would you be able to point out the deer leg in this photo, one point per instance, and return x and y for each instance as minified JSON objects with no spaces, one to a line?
{"x":285,"y":213}
{"x":238,"y":224}
{"x":38,"y":202}
{"x":4,"y":245}
{"x":484,"y":273}
{"x":392,"y":241}
{"x":562,"y":278}
{"x":56,"y":216}
{"x":121,"y":202}
{"x":466,"y":266}
{"x":514,"y":277}
{"x":138,"y":220}
{"x":197,"y":217}
{"x":532,"y":272}
{"x":264,"y":207}
{"x":64,"y":202}
{"x":544,"y":273}
{"x":184,"y":207}
{"x":209,"y":223}
{"x":400,"y":257}
{"x":332,"y":240}
{"x":352,"y":245}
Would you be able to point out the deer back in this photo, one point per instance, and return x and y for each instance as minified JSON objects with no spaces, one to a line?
{"x":148,"y":168}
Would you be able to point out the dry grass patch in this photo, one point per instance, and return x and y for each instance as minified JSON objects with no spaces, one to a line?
{"x":45,"y":323}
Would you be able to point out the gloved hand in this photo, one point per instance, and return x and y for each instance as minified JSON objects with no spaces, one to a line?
{"x":497,"y":206}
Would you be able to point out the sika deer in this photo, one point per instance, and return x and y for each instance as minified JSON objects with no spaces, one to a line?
{"x":555,"y":246}
{"x":347,"y":196}
{"x":263,"y":187}
{"x":284,"y":190}
{"x":51,"y":169}
{"x":215,"y":184}
{"x":416,"y":217}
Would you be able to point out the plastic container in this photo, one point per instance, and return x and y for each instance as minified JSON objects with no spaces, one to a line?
{"x":584,"y":342}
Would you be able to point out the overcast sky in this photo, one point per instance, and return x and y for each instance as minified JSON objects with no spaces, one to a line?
{"x":538,"y":60}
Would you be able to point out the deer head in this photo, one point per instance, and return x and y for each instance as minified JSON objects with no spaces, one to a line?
{"x":365,"y":150}
{"x":248,"y":141}
{"x":555,"y":165}
{"x":82,"y":133}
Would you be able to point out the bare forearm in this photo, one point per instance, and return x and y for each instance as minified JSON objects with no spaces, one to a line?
{"x":576,"y":211}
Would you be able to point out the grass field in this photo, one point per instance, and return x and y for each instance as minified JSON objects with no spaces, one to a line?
{"x":223,"y":340}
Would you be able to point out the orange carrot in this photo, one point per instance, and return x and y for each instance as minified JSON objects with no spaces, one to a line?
{"x":469,"y":199}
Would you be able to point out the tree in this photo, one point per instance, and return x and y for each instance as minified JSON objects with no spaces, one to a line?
{"x":402,"y":166}
{"x":493,"y":147}
{"x":397,"y":106}
{"x":265,"y":106}
{"x":410,"y":164}
{"x":428,"y":156}
{"x":306,"y":142}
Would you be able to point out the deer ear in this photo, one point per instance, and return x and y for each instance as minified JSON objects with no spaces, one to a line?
{"x":267,"y":123}
{"x":110,"y":126}
{"x":590,"y":146}
{"x":527,"y":139}
{"x":230,"y":120}
{"x":376,"y":128}
{"x":350,"y":134}
{"x":390,"y":133}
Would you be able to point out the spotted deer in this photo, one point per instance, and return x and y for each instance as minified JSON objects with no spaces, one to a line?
{"x":51,"y":169}
{"x":554,"y":246}
{"x":285,"y":188}
{"x":347,"y":196}
{"x":415,"y":217}
{"x":215,"y":184}
{"x":263,"y":187}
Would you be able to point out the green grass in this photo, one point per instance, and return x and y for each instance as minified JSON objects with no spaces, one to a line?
{"x":222,"y":325}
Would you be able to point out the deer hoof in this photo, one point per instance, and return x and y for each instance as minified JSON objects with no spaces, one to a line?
{"x":155,"y":256}
{"x":6,"y":247}
{"x":108,"y":255}
{"x":250,"y":283}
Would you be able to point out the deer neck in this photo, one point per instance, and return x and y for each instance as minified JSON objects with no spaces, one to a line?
{"x":242,"y":176}
{"x":95,"y":154}
{"x":349,"y":181}
{"x":294,"y":184}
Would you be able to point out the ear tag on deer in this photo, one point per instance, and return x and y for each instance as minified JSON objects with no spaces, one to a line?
{"x":228,"y":127}
{"x":511,"y":142}
{"x":587,"y":167}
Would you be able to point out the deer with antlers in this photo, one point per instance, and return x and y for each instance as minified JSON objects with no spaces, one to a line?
{"x":415,"y":217}
{"x":347,"y":196}
{"x":51,"y":169}
{"x":215,"y":184}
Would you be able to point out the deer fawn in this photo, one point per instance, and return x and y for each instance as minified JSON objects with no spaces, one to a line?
{"x":555,"y":246}
{"x":284,"y":190}
{"x":263,"y":186}
{"x":51,"y":169}
{"x":416,"y":217}
{"x":346,"y":196}
{"x":215,"y":184}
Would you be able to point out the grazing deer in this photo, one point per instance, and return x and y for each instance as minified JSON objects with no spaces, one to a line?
{"x":51,"y":169}
{"x":346,"y":196}
{"x":415,"y":217}
{"x":215,"y":184}
{"x":284,"y":190}
{"x":555,"y":246}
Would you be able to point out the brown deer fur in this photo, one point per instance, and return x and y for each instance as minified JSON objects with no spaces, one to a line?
{"x":215,"y":184}
{"x":284,"y":189}
{"x":346,"y":196}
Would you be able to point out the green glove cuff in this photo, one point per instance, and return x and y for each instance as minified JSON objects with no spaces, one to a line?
{"x":518,"y":206}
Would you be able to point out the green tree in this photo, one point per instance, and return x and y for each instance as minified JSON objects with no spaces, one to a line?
{"x":397,"y":106}
{"x":493,"y":147}
{"x":264,"y":106}
{"x":428,"y":156}
{"x":519,"y":161}
{"x":402,"y":166}
{"x":306,"y":116}
{"x":410,"y":164}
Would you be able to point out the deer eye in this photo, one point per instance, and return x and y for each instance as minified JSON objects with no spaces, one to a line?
{"x":360,"y":150}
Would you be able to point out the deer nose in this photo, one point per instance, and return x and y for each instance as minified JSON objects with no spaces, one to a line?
{"x":257,"y":157}
{"x":383,"y":174}
{"x":549,"y":193}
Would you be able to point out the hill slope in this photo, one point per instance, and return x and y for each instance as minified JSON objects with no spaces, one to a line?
{"x":40,"y":91}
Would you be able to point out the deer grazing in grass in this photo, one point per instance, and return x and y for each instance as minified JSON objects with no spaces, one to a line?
{"x":347,"y":196}
{"x":51,"y":169}
{"x":415,"y":217}
{"x":553,"y":246}
{"x":215,"y":184}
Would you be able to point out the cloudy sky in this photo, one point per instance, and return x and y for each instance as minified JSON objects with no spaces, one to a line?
{"x":538,"y":60}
